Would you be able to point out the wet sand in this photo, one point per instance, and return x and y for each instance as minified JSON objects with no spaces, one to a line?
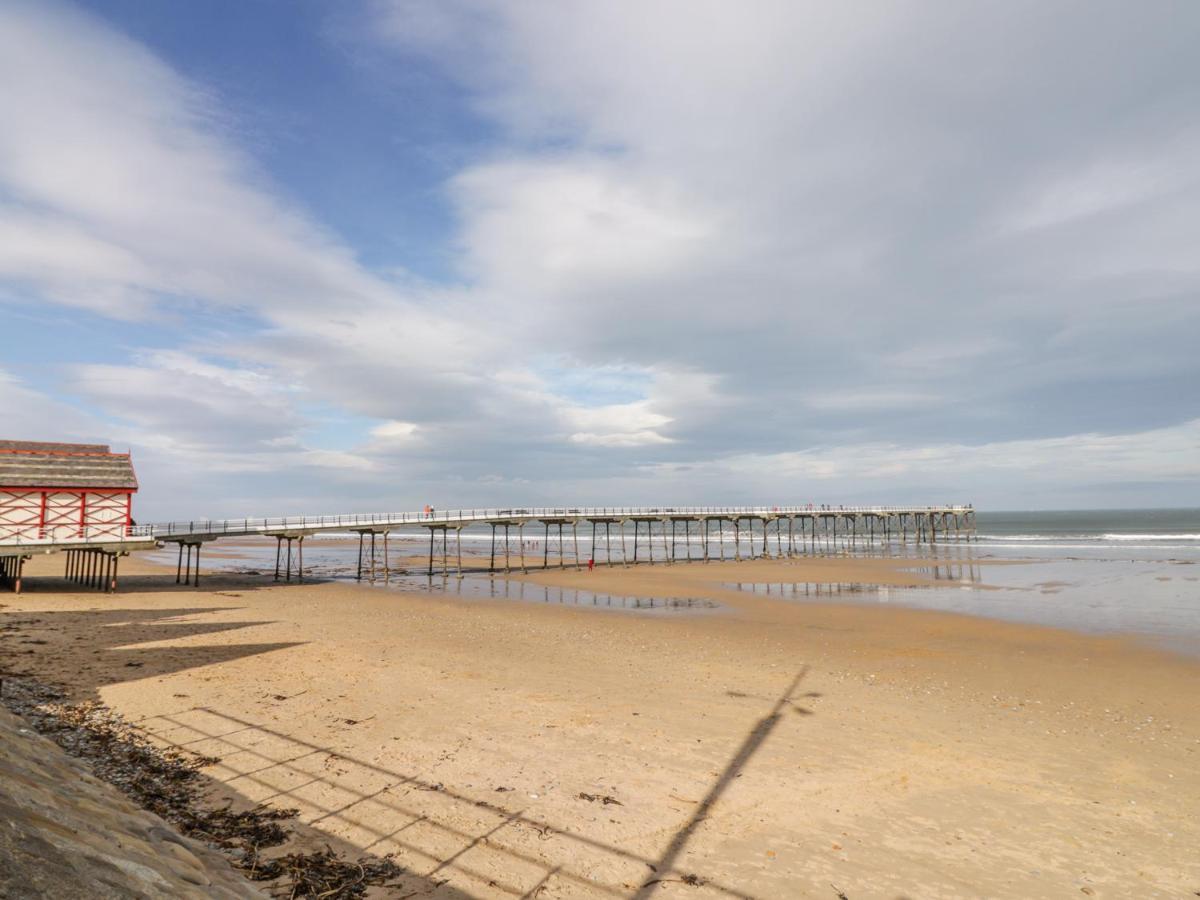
{"x":769,"y":748}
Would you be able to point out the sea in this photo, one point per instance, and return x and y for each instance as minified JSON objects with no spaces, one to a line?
{"x":1133,"y":572}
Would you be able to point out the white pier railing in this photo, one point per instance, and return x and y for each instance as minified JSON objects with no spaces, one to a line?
{"x":67,"y":536}
{"x":464,"y":517}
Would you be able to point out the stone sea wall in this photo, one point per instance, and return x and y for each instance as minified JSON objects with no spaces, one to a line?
{"x":64,"y":834}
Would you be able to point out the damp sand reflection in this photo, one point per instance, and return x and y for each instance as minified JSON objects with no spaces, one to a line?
{"x":488,"y":588}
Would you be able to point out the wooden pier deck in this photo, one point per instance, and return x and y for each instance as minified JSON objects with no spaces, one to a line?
{"x":93,"y":554}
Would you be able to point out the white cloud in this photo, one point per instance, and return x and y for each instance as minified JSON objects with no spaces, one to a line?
{"x":395,"y":431}
{"x":121,"y":184}
{"x":555,"y":226}
{"x":191,"y":402}
{"x":617,"y":425}
{"x":38,"y":416}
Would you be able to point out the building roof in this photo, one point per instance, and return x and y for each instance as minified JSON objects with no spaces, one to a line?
{"x":36,"y":464}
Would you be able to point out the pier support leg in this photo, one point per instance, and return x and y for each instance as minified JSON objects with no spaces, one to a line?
{"x":300,"y":551}
{"x":521,"y":540}
{"x":575,"y":542}
{"x":179,"y":564}
{"x":430,"y":552}
{"x":492,"y":561}
{"x":546,"y":548}
{"x":361,"y":537}
{"x":737,"y":541}
{"x":624,"y":559}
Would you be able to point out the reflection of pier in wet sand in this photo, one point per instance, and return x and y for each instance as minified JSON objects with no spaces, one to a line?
{"x":487,"y":587}
{"x":965,"y":573}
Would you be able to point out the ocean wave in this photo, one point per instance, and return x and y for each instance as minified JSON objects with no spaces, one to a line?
{"x":1094,"y":538}
{"x":1037,"y":537}
{"x":1151,"y":537}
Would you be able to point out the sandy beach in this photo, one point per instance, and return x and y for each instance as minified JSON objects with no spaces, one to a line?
{"x":761,"y":749}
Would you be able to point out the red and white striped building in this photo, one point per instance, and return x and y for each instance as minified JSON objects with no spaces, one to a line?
{"x":64,"y":490}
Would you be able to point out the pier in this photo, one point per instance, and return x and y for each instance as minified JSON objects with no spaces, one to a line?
{"x":610,"y":536}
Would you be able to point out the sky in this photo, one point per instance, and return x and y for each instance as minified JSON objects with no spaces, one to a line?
{"x":303,"y":257}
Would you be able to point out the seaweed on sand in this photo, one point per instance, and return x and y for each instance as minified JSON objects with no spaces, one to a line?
{"x":169,"y":783}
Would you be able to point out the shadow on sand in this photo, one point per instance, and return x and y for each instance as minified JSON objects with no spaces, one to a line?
{"x":37,"y":582}
{"x":477,"y":836}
